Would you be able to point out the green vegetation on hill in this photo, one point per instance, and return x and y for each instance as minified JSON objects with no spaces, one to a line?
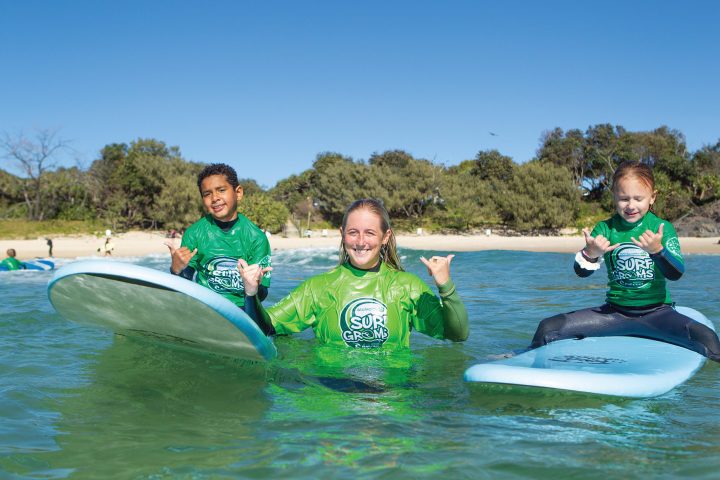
{"x":146,"y":184}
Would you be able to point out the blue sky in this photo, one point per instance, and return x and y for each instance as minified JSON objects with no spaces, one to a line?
{"x":266,"y":86}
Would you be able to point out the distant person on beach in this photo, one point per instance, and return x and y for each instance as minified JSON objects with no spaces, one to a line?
{"x":640,"y":251}
{"x":107,"y":248}
{"x":50,"y":246}
{"x":367,"y":301}
{"x":211,"y":247}
{"x":12,"y":263}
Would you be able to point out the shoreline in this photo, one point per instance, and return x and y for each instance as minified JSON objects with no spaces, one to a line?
{"x":138,"y":243}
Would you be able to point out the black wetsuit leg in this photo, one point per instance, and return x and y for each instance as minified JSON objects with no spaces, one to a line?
{"x":578,"y":324}
{"x":661,"y":323}
{"x":667,"y":324}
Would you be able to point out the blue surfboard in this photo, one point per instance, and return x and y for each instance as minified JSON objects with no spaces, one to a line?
{"x":620,"y":366}
{"x":37,"y":264}
{"x":142,"y":302}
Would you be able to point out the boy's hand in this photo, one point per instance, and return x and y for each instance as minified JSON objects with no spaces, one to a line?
{"x":438,"y":268}
{"x":251,"y":275}
{"x":180,"y":257}
{"x":596,"y":247}
{"x":649,"y":241}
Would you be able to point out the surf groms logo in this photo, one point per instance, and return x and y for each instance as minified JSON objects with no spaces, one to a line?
{"x":587,"y":359}
{"x":673,"y":246}
{"x":632,"y":266}
{"x":363,"y":323}
{"x":223,"y":276}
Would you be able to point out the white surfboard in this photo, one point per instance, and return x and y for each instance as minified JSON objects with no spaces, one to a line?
{"x":138,"y":301}
{"x":620,"y":366}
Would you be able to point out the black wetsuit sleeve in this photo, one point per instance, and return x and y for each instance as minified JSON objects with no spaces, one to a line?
{"x":262,"y":292}
{"x":579,"y":270}
{"x":187,"y":273}
{"x":254,"y":309}
{"x":668,"y":264}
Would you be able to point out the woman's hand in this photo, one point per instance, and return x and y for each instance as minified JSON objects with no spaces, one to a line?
{"x":251,"y":275}
{"x":596,"y":247}
{"x":438,"y":268}
{"x":649,"y":241}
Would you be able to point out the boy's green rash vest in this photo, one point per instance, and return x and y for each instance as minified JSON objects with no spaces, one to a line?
{"x":366,"y":309}
{"x":219,"y":251}
{"x":634,"y":280}
{"x":12,"y":264}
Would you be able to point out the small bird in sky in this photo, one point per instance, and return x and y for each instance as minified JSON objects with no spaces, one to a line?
{"x":493,"y":134}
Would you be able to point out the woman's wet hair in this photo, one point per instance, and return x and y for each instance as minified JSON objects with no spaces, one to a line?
{"x":388,"y":252}
{"x":218,"y":169}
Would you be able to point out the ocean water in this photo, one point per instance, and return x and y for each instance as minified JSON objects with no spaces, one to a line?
{"x":79,"y":402}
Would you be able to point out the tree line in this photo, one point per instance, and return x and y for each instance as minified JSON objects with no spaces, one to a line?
{"x":149,"y":185}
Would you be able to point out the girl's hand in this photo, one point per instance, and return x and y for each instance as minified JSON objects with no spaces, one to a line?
{"x":596,"y":247}
{"x":649,"y":241}
{"x":438,"y":268}
{"x":180,"y":257}
{"x":251,"y":275}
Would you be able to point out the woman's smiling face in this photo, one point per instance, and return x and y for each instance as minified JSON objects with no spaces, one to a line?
{"x":363,"y":237}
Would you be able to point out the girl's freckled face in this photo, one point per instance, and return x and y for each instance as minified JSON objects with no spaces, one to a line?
{"x":633,"y":198}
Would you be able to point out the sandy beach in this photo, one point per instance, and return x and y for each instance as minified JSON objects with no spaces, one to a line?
{"x":146,"y":243}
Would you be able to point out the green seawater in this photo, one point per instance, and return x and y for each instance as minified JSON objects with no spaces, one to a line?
{"x":79,"y":402}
